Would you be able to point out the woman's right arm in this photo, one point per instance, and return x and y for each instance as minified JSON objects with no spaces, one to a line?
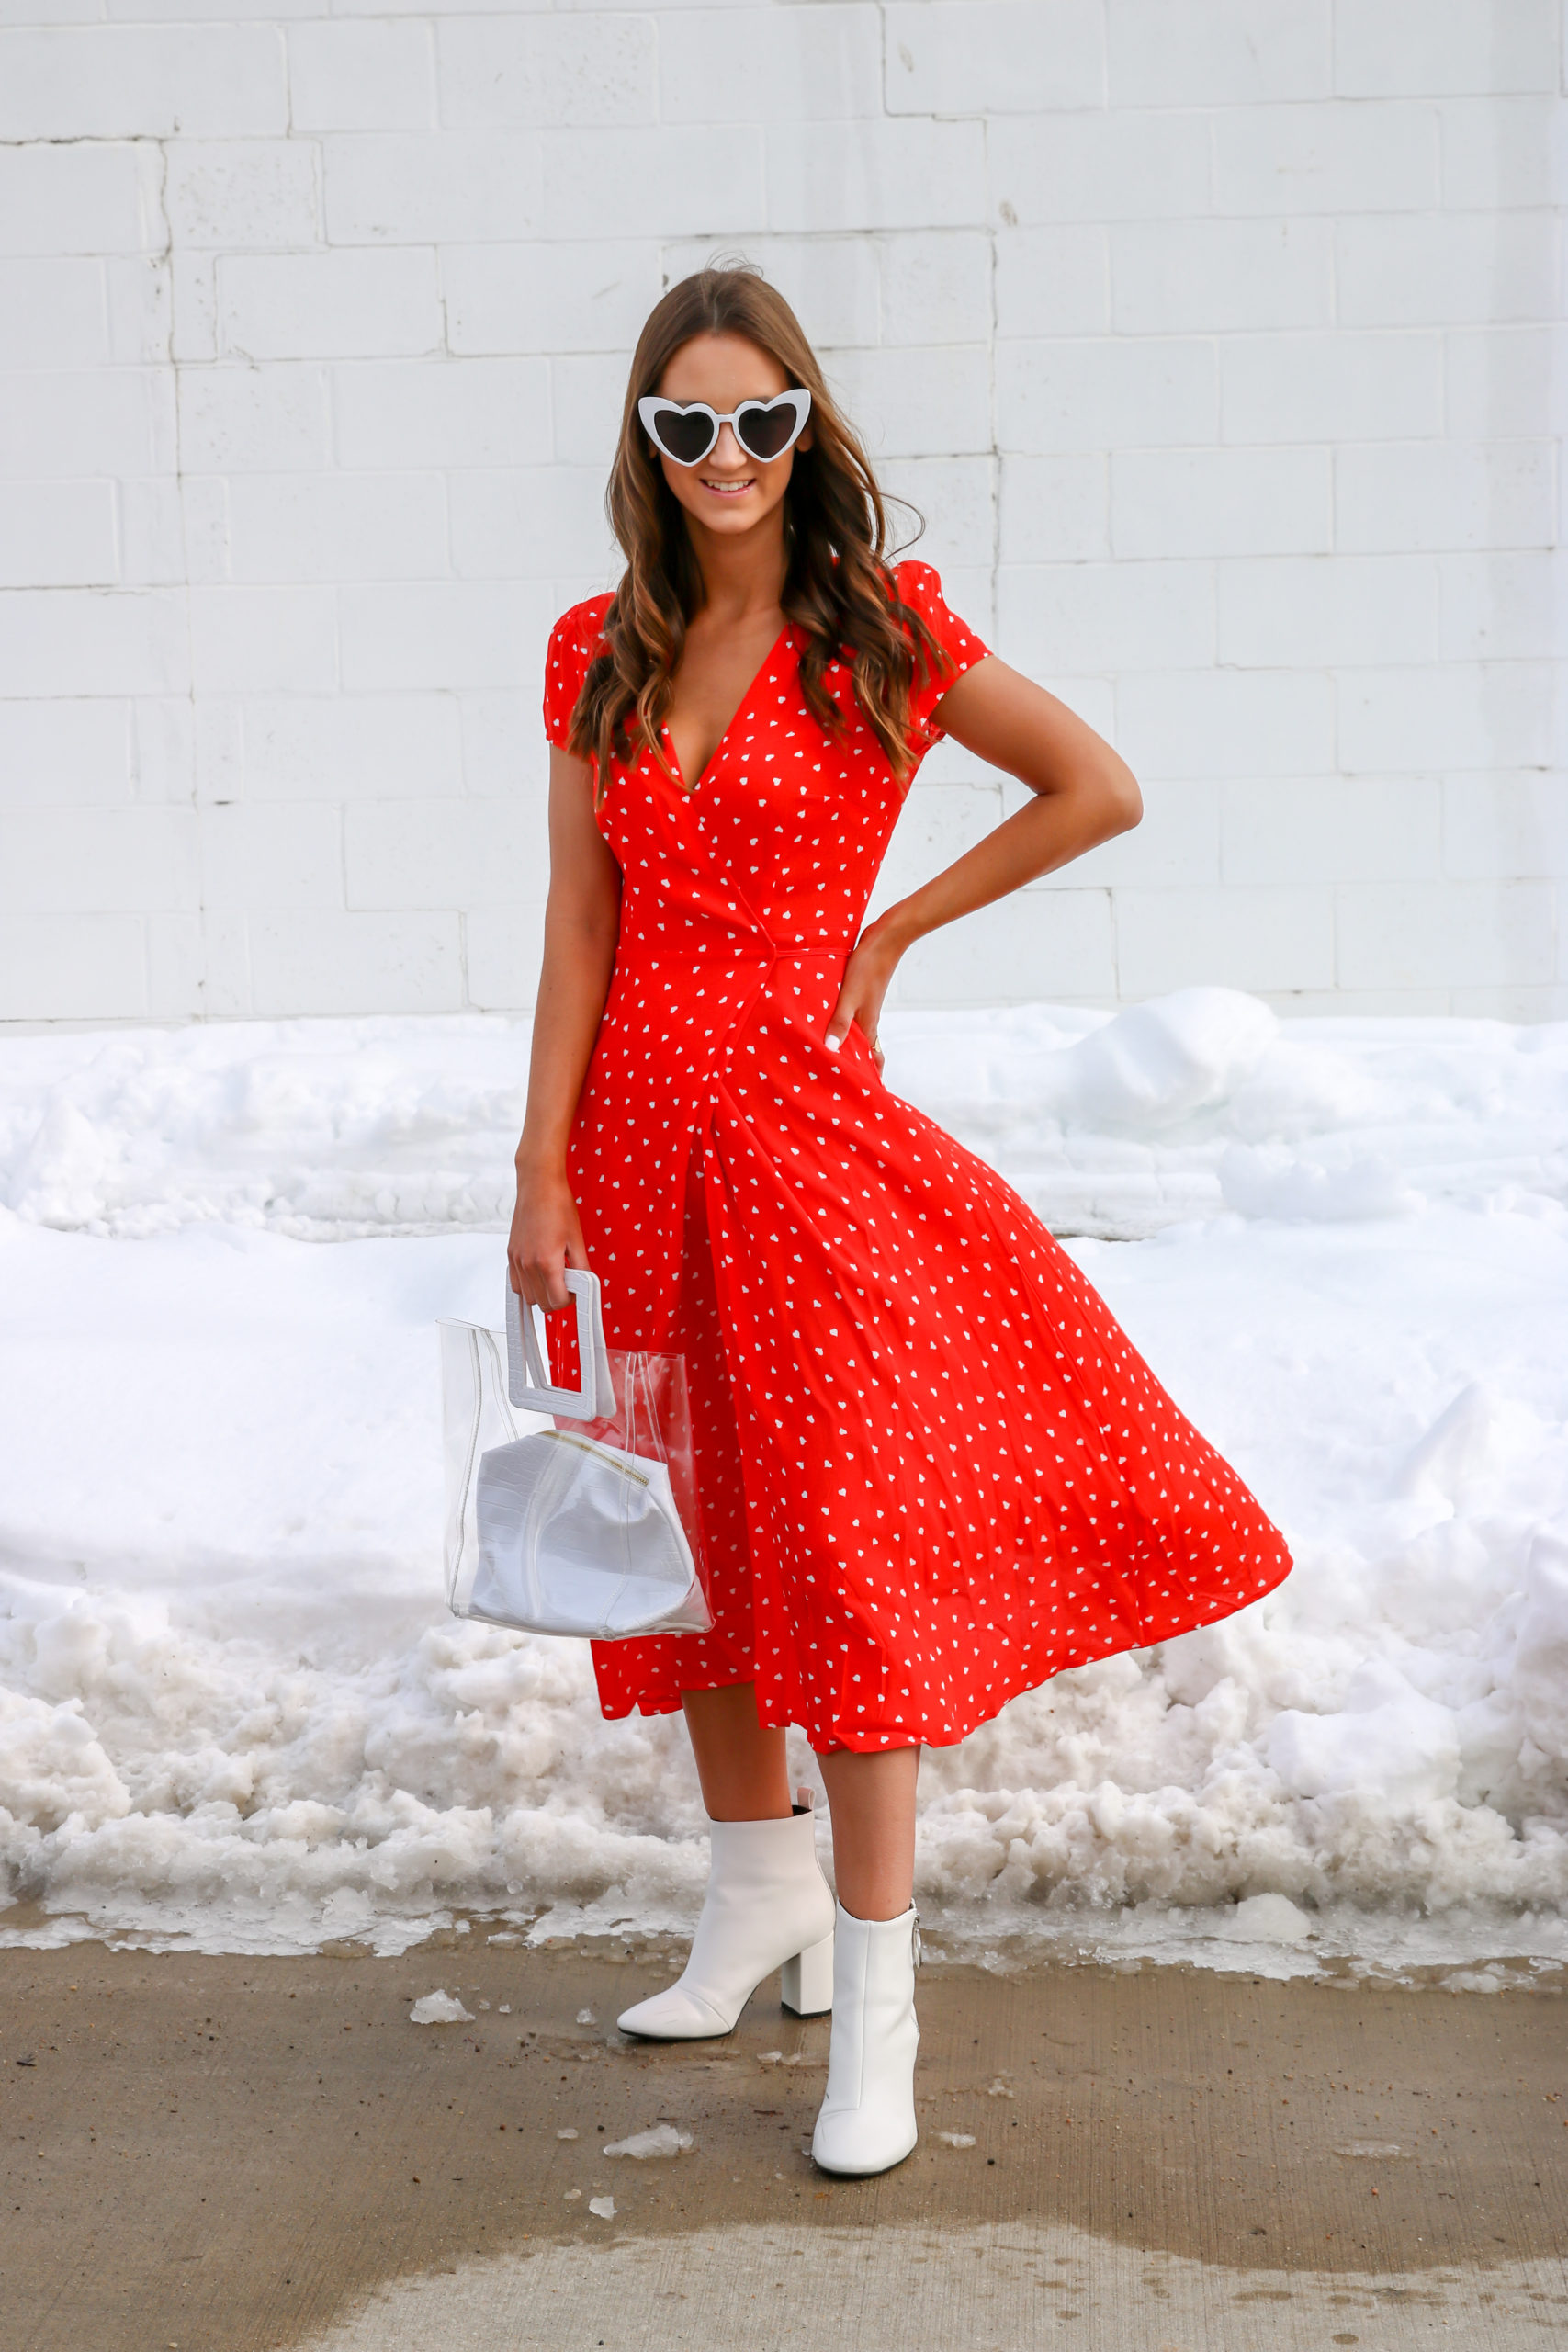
{"x":582,"y":920}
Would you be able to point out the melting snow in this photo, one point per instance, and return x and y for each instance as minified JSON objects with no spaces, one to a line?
{"x":659,"y":2140}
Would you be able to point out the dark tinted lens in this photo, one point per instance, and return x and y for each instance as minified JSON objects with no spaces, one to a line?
{"x":686,"y":436}
{"x":766,"y":432}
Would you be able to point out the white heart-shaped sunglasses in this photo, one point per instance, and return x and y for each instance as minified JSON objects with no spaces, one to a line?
{"x":765,"y":429}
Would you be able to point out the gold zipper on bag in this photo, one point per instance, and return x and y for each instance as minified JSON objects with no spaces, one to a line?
{"x":598,"y":1453}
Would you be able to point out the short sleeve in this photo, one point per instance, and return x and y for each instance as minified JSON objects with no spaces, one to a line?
{"x":920,"y":587}
{"x":574,"y":640}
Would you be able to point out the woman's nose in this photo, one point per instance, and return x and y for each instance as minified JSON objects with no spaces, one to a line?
{"x":726,"y":451}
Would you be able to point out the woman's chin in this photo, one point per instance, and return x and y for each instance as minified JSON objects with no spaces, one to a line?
{"x":730,"y":515}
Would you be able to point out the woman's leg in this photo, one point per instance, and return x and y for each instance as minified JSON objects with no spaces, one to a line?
{"x":740,"y":1762}
{"x":873,"y":1802}
{"x":867,"y":2121}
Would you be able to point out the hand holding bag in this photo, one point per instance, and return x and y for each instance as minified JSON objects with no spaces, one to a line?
{"x":590,"y":1530}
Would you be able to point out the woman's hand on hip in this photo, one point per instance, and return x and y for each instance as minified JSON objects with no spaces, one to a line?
{"x":546,"y":1238}
{"x":868,"y":976}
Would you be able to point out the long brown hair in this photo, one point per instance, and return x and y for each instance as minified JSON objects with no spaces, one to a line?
{"x":839,"y":587}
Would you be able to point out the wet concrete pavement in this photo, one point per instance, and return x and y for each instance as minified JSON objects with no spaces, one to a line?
{"x":228,"y":2154}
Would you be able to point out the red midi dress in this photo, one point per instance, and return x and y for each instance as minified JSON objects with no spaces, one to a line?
{"x":934,"y":1470}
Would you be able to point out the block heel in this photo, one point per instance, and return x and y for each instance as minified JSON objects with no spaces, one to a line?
{"x":767,"y":1906}
{"x":806,"y":1983}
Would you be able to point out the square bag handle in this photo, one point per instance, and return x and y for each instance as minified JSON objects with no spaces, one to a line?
{"x":528,"y":1374}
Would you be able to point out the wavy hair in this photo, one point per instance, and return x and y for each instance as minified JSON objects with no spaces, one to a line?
{"x":839,"y":586}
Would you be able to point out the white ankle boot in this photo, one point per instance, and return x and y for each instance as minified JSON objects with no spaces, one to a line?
{"x":867,"y":2122}
{"x":767,"y":1906}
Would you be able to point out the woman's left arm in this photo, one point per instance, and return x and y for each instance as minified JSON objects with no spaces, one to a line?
{"x":1083,"y":794}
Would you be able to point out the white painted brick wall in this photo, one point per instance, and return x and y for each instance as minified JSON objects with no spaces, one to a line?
{"x":1214,"y":338}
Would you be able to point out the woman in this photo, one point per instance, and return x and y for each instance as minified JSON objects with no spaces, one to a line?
{"x":934,"y":1472}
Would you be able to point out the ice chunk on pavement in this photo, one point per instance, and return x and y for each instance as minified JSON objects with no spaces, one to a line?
{"x":586,"y":2017}
{"x":603,"y":2206}
{"x":439,"y":2008}
{"x":659,"y":2140}
{"x":957,"y":2139}
{"x":1000,"y":2089}
{"x":569,"y":2134}
{"x":1267,"y":1920}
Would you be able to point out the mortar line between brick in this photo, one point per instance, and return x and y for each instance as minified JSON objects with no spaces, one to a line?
{"x":162,"y":146}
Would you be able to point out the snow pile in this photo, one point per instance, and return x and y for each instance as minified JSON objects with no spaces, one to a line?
{"x":233,"y":1708}
{"x":1110,"y":1124}
{"x":1203,"y":1101}
{"x":319,"y":1129}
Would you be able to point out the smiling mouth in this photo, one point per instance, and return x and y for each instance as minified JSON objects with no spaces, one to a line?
{"x":728,"y":488}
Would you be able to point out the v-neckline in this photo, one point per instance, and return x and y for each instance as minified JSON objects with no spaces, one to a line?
{"x":690,"y":791}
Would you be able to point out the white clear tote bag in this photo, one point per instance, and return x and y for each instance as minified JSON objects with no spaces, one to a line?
{"x":588,"y":1529}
